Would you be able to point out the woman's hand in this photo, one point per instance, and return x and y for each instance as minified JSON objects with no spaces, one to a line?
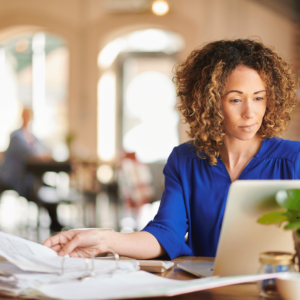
{"x":80,"y":243}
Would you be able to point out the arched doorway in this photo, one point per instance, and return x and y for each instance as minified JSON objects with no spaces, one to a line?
{"x":136,"y":96}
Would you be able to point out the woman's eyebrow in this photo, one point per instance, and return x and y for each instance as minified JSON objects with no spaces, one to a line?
{"x":234,"y":91}
{"x":259,"y":92}
{"x":240,"y":92}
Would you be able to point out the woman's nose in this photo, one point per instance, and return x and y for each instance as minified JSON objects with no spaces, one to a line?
{"x":248,"y":112}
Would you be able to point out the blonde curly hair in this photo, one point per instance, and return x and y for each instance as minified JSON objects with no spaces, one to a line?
{"x":202,"y":76}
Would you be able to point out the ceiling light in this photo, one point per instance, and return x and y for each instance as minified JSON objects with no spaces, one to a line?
{"x":160,"y":7}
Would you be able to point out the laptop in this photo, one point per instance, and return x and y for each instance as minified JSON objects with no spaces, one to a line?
{"x":242,"y":239}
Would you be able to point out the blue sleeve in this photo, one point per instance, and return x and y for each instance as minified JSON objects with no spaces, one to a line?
{"x":297,"y":166}
{"x":171,"y":223}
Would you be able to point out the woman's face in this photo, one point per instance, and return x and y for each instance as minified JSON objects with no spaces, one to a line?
{"x":243,"y":104}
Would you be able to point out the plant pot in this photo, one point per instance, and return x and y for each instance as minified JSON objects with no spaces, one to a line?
{"x":297,"y":246}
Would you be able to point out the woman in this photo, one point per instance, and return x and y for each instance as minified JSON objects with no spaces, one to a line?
{"x":237,"y":97}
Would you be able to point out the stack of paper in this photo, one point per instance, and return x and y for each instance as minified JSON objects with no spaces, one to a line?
{"x":33,"y":270}
{"x":30,"y":264}
{"x":30,"y":256}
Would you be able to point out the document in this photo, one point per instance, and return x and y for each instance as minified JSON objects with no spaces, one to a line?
{"x":30,"y":264}
{"x":138,"y":285}
{"x":30,"y":256}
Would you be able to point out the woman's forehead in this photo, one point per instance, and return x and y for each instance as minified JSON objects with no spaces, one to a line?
{"x":245,"y":78}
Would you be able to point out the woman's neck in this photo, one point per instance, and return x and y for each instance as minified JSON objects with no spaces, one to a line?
{"x":236,"y":154}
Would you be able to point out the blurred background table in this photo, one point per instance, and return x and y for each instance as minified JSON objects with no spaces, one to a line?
{"x":40,"y":194}
{"x":39,"y":167}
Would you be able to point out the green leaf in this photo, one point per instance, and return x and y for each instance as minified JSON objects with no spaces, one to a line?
{"x":293,"y":216}
{"x":273,"y":218}
{"x":292,"y":225}
{"x":289,"y":199}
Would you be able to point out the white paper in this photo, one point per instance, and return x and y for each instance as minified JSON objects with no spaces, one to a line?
{"x":30,"y":264}
{"x":30,"y":256}
{"x":15,"y":277}
{"x":137,"y":285}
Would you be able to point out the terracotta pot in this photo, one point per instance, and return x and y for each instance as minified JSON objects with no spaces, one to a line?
{"x":297,"y":246}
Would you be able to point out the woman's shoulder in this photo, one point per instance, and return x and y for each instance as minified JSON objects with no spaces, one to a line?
{"x":280,"y":148}
{"x":185,"y":150}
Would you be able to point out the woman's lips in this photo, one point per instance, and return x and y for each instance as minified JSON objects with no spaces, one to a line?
{"x":247,"y":128}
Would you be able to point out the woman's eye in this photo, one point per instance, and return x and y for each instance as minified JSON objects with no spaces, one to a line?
{"x":234,"y":100}
{"x":259,"y":98}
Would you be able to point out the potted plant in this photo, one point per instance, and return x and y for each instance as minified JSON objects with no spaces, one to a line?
{"x":289,"y":201}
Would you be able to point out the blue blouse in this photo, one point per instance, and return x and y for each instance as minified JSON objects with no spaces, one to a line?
{"x":195,"y":194}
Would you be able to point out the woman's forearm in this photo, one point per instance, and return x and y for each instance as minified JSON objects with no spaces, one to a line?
{"x":88,"y":243}
{"x":138,"y":245}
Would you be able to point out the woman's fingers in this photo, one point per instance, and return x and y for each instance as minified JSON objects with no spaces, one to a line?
{"x":78,"y":243}
{"x":48,"y":243}
{"x":71,"y":245}
{"x":61,"y":238}
{"x":74,"y":254}
{"x":56,"y":248}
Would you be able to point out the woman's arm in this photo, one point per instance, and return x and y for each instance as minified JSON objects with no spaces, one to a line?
{"x":88,"y":243}
{"x":164,"y":235}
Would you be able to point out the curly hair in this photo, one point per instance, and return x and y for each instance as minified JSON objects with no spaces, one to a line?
{"x":201,"y":79}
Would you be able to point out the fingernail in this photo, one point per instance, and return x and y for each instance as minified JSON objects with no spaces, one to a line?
{"x":61,"y":253}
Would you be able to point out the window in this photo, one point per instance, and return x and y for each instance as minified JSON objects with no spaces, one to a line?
{"x":34,"y":74}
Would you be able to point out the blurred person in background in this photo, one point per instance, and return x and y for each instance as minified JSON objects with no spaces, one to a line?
{"x":134,"y":181}
{"x":23,"y":145}
{"x":237,"y":97}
